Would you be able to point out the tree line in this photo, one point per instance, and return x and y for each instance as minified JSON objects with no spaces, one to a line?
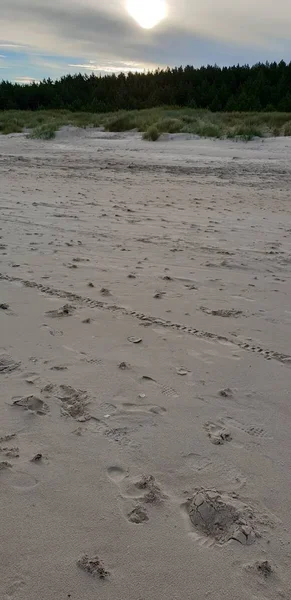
{"x":262,"y":87}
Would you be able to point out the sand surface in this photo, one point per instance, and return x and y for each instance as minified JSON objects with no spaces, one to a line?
{"x":145,"y":368}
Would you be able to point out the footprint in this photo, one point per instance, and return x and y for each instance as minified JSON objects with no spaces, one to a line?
{"x":33,"y":404}
{"x":145,"y":490}
{"x":137,"y":515}
{"x":219,"y":312}
{"x":73,"y":402}
{"x":169,"y":391}
{"x":217,"y":434}
{"x":264,"y":575}
{"x":117,"y":434}
{"x":14,"y":587}
{"x":256,"y":431}
{"x":64,"y":311}
{"x":7,"y":364}
{"x":252,"y":430}
{"x":116,"y":474}
{"x":10,"y":452}
{"x":7,"y":437}
{"x":19,"y":480}
{"x":143,"y":408}
{"x":92,"y":565}
{"x":202,"y":540}
{"x":197,"y":462}
{"x":221,"y":517}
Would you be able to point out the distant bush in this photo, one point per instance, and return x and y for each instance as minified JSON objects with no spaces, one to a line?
{"x":8,"y":128}
{"x":233,"y":125}
{"x":208,"y":130}
{"x":168,"y":125}
{"x":152,"y":133}
{"x":287,"y":128}
{"x":121,"y":123}
{"x":246,"y":132}
{"x":44,"y":132}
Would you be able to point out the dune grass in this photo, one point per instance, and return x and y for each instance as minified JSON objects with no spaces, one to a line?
{"x":47,"y":131}
{"x":151,"y":134}
{"x":152,"y":123}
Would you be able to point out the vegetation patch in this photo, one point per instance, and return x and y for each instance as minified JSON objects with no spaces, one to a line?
{"x":152,"y":134}
{"x":44,"y":132}
{"x":152,"y":122}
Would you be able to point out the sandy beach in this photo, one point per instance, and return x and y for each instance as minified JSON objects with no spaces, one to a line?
{"x":145,"y":368}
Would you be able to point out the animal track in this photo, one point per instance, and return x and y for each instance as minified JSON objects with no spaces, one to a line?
{"x":150,"y":320}
{"x":217,"y":434}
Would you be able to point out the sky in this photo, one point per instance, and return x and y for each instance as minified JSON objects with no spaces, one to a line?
{"x":50,"y":38}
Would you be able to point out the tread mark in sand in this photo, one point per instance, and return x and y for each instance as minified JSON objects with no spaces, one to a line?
{"x":50,"y":291}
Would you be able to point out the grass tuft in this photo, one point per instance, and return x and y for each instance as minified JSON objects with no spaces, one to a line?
{"x":287,"y":128}
{"x":44,"y":132}
{"x":7,"y":127}
{"x":152,"y":134}
{"x":123,"y":122}
{"x":169,"y":125}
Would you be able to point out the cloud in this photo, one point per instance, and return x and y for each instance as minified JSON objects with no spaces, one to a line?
{"x":246,"y":22}
{"x":63,"y":28}
{"x":25,"y":80}
{"x":98,"y":36}
{"x":91,"y":25}
{"x":109,"y":69}
{"x":11,"y":46}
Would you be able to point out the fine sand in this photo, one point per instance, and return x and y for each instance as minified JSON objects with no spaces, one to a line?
{"x":145,"y":368}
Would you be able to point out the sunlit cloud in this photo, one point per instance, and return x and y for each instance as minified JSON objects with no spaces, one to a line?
{"x":12,"y":46}
{"x":26,"y":80}
{"x":91,"y":66}
{"x":147,"y":14}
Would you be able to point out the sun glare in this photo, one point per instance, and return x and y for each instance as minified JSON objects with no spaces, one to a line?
{"x":147,"y":13}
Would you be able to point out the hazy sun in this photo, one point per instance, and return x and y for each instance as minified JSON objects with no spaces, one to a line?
{"x":147,"y":13}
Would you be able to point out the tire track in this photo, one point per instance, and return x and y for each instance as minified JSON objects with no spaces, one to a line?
{"x":149,"y":319}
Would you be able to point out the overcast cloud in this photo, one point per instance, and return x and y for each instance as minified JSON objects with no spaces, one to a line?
{"x":40,"y":38}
